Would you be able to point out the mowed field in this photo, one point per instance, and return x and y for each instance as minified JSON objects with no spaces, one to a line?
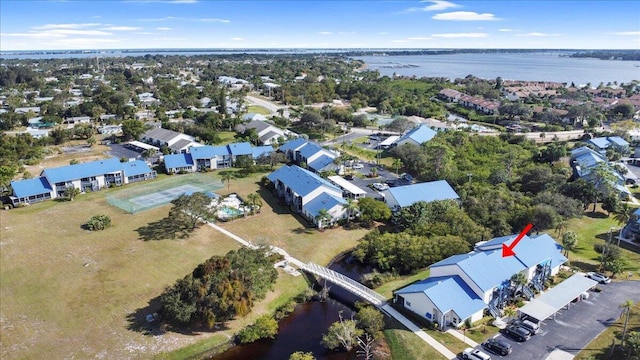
{"x":69,"y":293}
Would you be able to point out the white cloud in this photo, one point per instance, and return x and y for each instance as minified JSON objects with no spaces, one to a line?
{"x":420,"y":38}
{"x":437,"y":5}
{"x":65,"y":26}
{"x":507,"y":30}
{"x":84,"y":42}
{"x":164,"y":28}
{"x":464,"y":16}
{"x":58,"y":33}
{"x":237,"y":39}
{"x":213,"y":20}
{"x":325,"y":32}
{"x":143,"y":33}
{"x":166,"y":18}
{"x":538,"y":34}
{"x":460,"y":35}
{"x":121,"y":28}
{"x":626,"y":33}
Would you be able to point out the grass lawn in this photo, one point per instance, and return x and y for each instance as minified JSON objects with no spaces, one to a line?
{"x":405,"y":345}
{"x":600,"y":347}
{"x":388,"y":288}
{"x":256,"y":109}
{"x":451,"y":342}
{"x":593,"y":228}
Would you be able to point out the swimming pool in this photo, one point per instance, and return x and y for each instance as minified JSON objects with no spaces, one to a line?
{"x":228,"y":212}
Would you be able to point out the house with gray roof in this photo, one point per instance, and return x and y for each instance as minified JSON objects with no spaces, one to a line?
{"x":267,"y":133}
{"x":91,"y":176}
{"x":584,"y":160}
{"x":177,"y":142}
{"x":307,"y":194}
{"x":463,"y":286}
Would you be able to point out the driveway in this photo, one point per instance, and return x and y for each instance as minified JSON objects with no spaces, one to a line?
{"x":574,"y":328}
{"x":120,"y":151}
{"x":364,"y":182}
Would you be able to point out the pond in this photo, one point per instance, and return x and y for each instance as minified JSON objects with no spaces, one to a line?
{"x":302,"y":330}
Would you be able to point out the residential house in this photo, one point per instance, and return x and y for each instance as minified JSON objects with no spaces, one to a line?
{"x":307,"y":194}
{"x":267,"y":133}
{"x":91,"y":176}
{"x":584,"y":159}
{"x":316,"y":158}
{"x":417,"y":136}
{"x":26,"y":110}
{"x":177,"y":142}
{"x":462,"y":286}
{"x":616,"y":143}
{"x":399,"y":197}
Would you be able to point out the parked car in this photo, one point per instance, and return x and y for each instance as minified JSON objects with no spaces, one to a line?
{"x":358,"y":166}
{"x":533,"y":327}
{"x":497,"y":346}
{"x":349,"y":176}
{"x":473,"y":354}
{"x":599,"y":277}
{"x":517,"y":332}
{"x":380,"y":186}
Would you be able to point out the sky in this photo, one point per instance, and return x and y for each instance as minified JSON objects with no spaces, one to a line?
{"x":147,"y":24}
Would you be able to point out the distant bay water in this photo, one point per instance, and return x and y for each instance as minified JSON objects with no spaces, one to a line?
{"x":544,"y":66}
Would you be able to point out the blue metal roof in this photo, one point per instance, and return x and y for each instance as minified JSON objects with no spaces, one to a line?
{"x":618,"y":141}
{"x":321,"y":162}
{"x":262,"y":150}
{"x":292,"y":144}
{"x":208,"y":152}
{"x":323,"y":201}
{"x":174,"y":161}
{"x":243,"y":148}
{"x":301,"y":181}
{"x":31,"y":187}
{"x":430,"y":191}
{"x":79,"y":171}
{"x":133,"y":168}
{"x":588,"y":160}
{"x":419,"y":134}
{"x":309,"y":149}
{"x":487,"y":268}
{"x":448,"y":293}
{"x":600,"y":142}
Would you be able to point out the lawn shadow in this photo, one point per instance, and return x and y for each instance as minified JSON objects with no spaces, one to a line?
{"x":278,"y":206}
{"x":167,"y":228}
{"x":596,"y":215}
{"x":584,"y":266}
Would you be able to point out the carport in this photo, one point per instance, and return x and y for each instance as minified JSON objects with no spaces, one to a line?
{"x":558,"y":297}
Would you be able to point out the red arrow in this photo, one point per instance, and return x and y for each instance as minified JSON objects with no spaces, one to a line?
{"x":508,"y":250}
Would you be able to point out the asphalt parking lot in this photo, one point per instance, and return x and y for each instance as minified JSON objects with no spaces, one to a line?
{"x":364,"y":182}
{"x":574,"y":328}
{"x":119,"y":151}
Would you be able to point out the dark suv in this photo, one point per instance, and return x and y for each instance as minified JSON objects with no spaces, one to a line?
{"x":517,"y":332}
{"x":497,"y":346}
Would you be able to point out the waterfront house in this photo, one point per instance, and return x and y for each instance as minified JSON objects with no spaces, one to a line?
{"x":399,"y":197}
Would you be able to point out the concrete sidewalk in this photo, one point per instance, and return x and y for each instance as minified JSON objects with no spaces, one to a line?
{"x":455,"y":333}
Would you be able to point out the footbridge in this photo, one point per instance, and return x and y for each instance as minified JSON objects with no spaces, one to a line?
{"x":346,"y":283}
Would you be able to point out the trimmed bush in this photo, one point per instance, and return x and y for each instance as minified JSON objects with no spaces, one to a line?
{"x":98,"y":222}
{"x":264,"y":327}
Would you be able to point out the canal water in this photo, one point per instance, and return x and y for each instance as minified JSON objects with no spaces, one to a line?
{"x":302,"y":330}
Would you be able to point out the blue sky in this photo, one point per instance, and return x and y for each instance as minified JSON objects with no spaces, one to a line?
{"x":130,"y":24}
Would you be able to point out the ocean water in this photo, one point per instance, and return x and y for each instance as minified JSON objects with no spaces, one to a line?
{"x":544,"y":66}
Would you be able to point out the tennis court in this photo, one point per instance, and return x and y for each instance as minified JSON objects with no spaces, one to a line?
{"x":161,"y":192}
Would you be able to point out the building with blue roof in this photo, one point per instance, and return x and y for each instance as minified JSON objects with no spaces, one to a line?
{"x":584,"y":159}
{"x":444,"y":299}
{"x":307,"y":193}
{"x":179,"y":163}
{"x":260,"y":151}
{"x":482,"y":274}
{"x":317,"y":158}
{"x":616,"y":143}
{"x":290,"y":147}
{"x":417,"y":136}
{"x":402,"y":196}
{"x":90,"y":176}
{"x":209,"y":157}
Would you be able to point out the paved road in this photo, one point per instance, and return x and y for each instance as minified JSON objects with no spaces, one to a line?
{"x":574,"y":328}
{"x":272,"y":107}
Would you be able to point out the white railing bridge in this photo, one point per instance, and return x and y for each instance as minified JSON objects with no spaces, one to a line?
{"x":346,"y":283}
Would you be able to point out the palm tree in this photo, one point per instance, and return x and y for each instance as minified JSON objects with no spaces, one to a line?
{"x":351,"y":206}
{"x":255,"y":201}
{"x":569,"y":241}
{"x":622,"y":215}
{"x":518,"y":280}
{"x":626,"y":306}
{"x":634,"y":343}
{"x":323,"y":215}
{"x":509,"y":312}
{"x":397,"y":163}
{"x":226,"y":177}
{"x":72,"y":192}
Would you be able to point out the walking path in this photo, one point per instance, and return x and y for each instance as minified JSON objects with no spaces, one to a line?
{"x":386,"y":308}
{"x":455,"y":333}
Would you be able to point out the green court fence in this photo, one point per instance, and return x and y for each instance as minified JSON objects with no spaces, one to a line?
{"x":122,"y":198}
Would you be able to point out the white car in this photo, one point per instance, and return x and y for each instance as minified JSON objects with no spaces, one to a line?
{"x":599,"y":277}
{"x":358,"y":166}
{"x":380,"y":186}
{"x":473,"y":354}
